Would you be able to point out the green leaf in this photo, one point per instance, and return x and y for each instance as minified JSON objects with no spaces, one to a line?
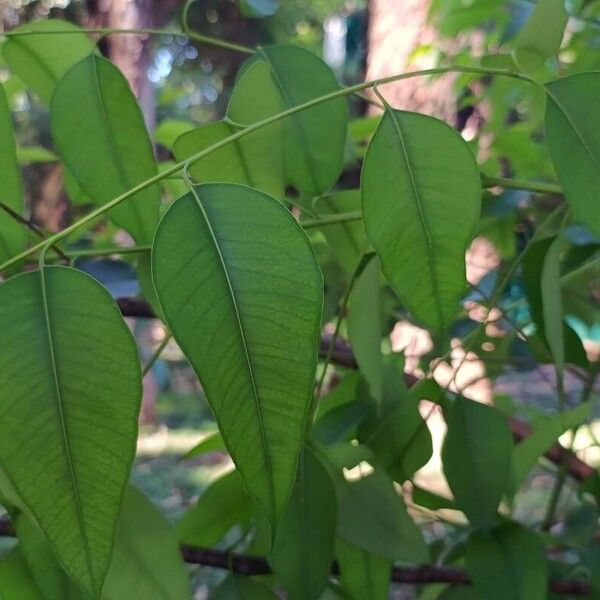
{"x":240,"y":587}
{"x":507,"y":562}
{"x":73,"y":400}
{"x":313,"y":139}
{"x":541,"y":35}
{"x":40,"y":60}
{"x":222,"y":506}
{"x":372,"y":516}
{"x":211,"y":443}
{"x":347,"y":240}
{"x":44,"y":568}
{"x":146,"y":560}
{"x":552,"y":304}
{"x":99,"y":132}
{"x":35,"y":154}
{"x":249,"y":160}
{"x":573,"y":138}
{"x":13,"y":235}
{"x":365,"y":576}
{"x":476,"y":457}
{"x":400,"y":438}
{"x":243,"y":299}
{"x":546,"y":430}
{"x":365,"y":327}
{"x":421,"y":195}
{"x":259,"y":8}
{"x":169,"y":130}
{"x":16,"y":580}
{"x":303,"y":550}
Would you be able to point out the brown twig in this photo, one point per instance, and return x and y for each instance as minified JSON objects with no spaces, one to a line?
{"x":245,"y":564}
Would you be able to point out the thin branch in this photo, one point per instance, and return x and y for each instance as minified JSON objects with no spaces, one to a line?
{"x":246,"y":564}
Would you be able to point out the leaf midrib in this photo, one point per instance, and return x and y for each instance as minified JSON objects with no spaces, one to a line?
{"x":249,"y":365}
{"x":113,"y":146}
{"x":423,"y":221}
{"x":295,"y":119}
{"x":63,"y":425}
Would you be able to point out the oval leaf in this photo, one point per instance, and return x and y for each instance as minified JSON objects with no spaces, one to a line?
{"x":13,"y":235}
{"x":93,"y":101}
{"x":314,"y":139}
{"x":365,"y":576}
{"x":476,"y":456}
{"x":41,"y":59}
{"x":243,"y":299}
{"x":421,"y":197}
{"x":303,"y":550}
{"x":70,"y":406}
{"x":542,"y":34}
{"x":573,"y":138}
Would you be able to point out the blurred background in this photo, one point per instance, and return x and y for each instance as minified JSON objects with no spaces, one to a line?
{"x":181,"y":84}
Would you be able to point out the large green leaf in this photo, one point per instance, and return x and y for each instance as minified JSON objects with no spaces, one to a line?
{"x":146,"y":561}
{"x":372,"y":516}
{"x":250,"y":160}
{"x":243,"y":299}
{"x":41,"y":59}
{"x":421,"y":195}
{"x":365,"y":576}
{"x":303,"y":550}
{"x":99,"y":132}
{"x":13,"y":235}
{"x":573,"y":138}
{"x":541,"y":35}
{"x":508,"y":562}
{"x":222,"y":506}
{"x":69,"y":406}
{"x":476,"y":456}
{"x":314,"y":139}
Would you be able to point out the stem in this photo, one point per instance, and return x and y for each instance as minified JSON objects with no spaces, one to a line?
{"x":517,"y":184}
{"x":250,"y":129}
{"x":156,"y":354}
{"x":13,"y":214}
{"x":104,"y":31}
{"x":332,"y":219}
{"x":75,"y":254}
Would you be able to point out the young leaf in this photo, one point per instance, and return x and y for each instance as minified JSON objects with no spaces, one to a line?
{"x":507,"y":562}
{"x":476,"y":456}
{"x":303,"y":550}
{"x":573,"y":137}
{"x":243,"y":299}
{"x":365,"y":576}
{"x":240,"y":587}
{"x":365,"y":328}
{"x":372,"y":516}
{"x":252,"y":160}
{"x":13,"y":235}
{"x":211,"y":443}
{"x":70,"y":405}
{"x":93,"y":101}
{"x":314,"y":139}
{"x":146,"y":560}
{"x":542,"y":34}
{"x":421,"y":195}
{"x":40,"y":60}
{"x":222,"y":506}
